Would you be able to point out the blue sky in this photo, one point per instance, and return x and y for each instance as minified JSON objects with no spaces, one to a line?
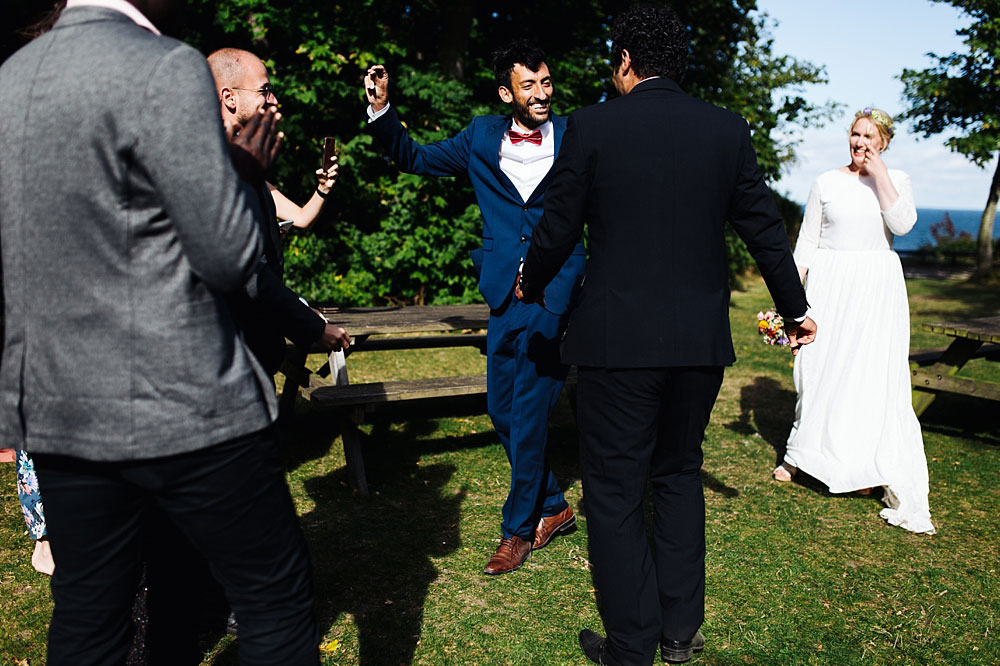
{"x":864,"y":46}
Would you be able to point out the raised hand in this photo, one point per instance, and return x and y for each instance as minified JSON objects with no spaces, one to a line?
{"x":326,"y":179}
{"x":376,"y":83}
{"x":254,"y":145}
{"x":873,"y":163}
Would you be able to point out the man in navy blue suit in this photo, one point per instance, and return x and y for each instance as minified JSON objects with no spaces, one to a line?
{"x":507,"y":159}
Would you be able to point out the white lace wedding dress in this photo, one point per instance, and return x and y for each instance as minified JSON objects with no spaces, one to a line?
{"x":854,"y":424}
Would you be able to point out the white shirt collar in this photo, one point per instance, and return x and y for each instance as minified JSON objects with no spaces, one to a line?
{"x":126,"y":8}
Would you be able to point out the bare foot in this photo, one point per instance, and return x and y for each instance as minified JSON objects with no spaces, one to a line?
{"x":41,"y":558}
{"x":784,"y":472}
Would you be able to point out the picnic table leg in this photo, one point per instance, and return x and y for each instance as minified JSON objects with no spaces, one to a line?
{"x":296,"y":375}
{"x":349,"y":422}
{"x":951,"y":361}
{"x":352,"y":449}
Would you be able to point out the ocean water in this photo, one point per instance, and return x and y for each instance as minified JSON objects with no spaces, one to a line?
{"x":964,"y":220}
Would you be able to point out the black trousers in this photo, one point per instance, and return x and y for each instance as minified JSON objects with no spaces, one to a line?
{"x":640,"y":426}
{"x":230,"y":501}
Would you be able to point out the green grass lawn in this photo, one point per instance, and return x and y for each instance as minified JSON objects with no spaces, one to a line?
{"x":795,"y":575}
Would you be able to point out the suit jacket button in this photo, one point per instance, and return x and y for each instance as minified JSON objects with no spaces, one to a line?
{"x":524,"y":239}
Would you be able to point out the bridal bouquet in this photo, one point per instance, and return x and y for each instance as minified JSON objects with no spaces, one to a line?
{"x":771,"y":327}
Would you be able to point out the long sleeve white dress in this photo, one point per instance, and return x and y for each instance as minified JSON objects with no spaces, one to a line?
{"x":854,"y":423}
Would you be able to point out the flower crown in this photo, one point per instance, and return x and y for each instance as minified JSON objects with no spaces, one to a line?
{"x":879,"y":117}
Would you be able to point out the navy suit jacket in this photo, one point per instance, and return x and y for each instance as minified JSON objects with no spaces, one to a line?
{"x":508,"y":220}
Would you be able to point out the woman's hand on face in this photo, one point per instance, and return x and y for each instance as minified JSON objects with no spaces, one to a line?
{"x":873,"y":162}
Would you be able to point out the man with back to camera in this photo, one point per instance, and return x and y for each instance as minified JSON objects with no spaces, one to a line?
{"x":268,"y":311}
{"x":507,"y":159}
{"x":122,"y":371}
{"x":656,"y":194}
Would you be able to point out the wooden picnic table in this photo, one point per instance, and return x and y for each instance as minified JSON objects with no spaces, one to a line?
{"x":937,"y":371}
{"x":380,"y":328}
{"x":408,"y":318}
{"x":400,"y":322}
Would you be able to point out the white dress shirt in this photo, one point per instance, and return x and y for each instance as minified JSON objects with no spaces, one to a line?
{"x":525,"y":163}
{"x":126,"y":8}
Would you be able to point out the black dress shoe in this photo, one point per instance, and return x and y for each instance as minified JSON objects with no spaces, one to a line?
{"x":677,"y":652}
{"x":593,"y":645}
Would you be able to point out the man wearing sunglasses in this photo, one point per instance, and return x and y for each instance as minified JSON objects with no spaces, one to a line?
{"x":244,"y":89}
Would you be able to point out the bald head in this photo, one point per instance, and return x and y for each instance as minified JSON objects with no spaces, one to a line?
{"x":242,"y":83}
{"x":229,"y":66}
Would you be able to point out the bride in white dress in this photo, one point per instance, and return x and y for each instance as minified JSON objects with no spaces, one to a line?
{"x":854,"y":424}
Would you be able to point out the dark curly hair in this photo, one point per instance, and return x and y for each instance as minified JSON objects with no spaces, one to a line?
{"x":518,"y":52}
{"x":45,"y":23}
{"x":655,"y":38}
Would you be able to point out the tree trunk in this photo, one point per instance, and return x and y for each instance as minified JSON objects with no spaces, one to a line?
{"x":984,"y":243}
{"x":457,"y":26}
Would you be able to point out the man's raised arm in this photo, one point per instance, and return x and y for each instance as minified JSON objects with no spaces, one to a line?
{"x":443,"y":158}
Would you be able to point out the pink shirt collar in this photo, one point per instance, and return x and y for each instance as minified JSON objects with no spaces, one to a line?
{"x":126,"y":8}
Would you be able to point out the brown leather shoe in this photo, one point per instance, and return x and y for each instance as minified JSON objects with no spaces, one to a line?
{"x":510,"y":555}
{"x":549,"y":526}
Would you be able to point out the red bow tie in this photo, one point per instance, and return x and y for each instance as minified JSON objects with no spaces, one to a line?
{"x":534,"y":137}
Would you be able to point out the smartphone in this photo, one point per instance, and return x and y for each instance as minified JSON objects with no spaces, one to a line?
{"x":284,"y":224}
{"x":329,"y":152}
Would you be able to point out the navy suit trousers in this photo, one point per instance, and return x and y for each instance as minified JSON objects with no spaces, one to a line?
{"x":524,"y":378}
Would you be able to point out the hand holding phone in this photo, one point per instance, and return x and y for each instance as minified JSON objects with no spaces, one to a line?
{"x":329,"y":152}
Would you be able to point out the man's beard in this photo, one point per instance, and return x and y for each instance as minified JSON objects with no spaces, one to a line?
{"x":524,"y":115}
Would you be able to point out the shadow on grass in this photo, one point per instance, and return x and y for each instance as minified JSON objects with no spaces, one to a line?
{"x":307,"y":436}
{"x":767,"y":409}
{"x":978,"y":301}
{"x":963,"y":416}
{"x":371,"y":557}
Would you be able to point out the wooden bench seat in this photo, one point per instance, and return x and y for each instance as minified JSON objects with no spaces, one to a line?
{"x":350,"y":395}
{"x":354,"y":401}
{"x":933,"y":371}
{"x":925,"y":357}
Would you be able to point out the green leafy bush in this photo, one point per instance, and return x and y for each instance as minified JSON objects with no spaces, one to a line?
{"x":391,"y":238}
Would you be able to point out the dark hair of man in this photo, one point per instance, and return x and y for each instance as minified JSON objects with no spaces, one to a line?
{"x":518,"y":52}
{"x":44,"y":24}
{"x":655,"y":38}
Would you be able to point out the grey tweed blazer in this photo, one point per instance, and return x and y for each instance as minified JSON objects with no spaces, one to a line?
{"x":122,"y":225}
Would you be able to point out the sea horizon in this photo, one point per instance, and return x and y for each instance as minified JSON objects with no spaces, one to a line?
{"x":920,"y":235}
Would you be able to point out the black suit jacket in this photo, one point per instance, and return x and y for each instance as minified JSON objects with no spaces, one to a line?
{"x":267,"y":311}
{"x":656,"y":174}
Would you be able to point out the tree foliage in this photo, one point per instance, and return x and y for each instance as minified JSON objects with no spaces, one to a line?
{"x":391,"y":238}
{"x":961,"y":91}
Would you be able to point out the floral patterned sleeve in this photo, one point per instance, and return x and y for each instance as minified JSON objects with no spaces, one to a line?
{"x":31,"y":499}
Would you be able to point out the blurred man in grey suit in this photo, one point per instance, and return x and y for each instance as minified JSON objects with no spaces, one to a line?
{"x":123,"y":225}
